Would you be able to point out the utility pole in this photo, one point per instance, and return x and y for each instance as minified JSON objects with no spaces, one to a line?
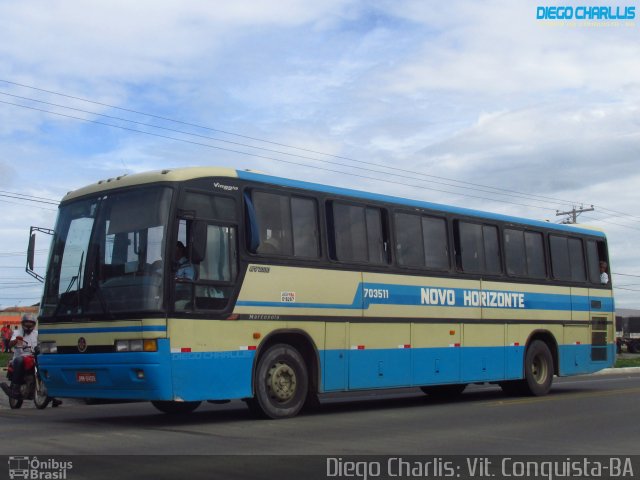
{"x":573,"y":214}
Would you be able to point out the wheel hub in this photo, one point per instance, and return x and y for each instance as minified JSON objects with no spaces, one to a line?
{"x":539,"y":370}
{"x":282,"y":382}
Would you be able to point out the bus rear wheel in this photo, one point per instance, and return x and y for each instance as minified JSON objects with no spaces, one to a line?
{"x":538,"y":372}
{"x":538,"y":368}
{"x":175,"y":408}
{"x":281,"y":383}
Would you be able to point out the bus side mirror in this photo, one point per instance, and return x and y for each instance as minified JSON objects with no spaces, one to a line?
{"x":31,"y":251}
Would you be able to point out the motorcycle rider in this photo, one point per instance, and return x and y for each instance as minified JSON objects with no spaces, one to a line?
{"x":23,"y":341}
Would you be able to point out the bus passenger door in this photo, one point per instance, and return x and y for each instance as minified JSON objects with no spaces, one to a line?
{"x":380,"y":345}
{"x":342,"y":290}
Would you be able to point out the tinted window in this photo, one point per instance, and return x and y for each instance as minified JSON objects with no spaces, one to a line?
{"x":594,"y":261}
{"x":287,"y":225}
{"x":375,"y":239}
{"x":359,"y":234}
{"x":559,"y":258}
{"x":409,"y":244}
{"x":576,"y":258}
{"x":535,"y":254}
{"x":471,"y":245}
{"x":350,"y":233}
{"x":491,"y":249}
{"x":515,"y":252}
{"x":304,"y":218}
{"x":210,"y":206}
{"x":436,"y":250}
{"x":524,"y":252}
{"x":273,"y":214}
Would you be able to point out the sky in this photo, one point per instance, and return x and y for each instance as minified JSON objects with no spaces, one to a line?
{"x":473,"y":104}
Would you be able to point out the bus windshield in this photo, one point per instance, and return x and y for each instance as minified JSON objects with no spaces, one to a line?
{"x":107,"y":254}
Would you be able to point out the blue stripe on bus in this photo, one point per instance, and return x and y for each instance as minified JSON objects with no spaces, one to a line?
{"x":227,"y":375}
{"x":387,"y":368}
{"x":257,"y":177}
{"x":409,"y":295}
{"x":151,"y":328}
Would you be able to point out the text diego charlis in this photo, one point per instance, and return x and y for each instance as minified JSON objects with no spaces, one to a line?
{"x":481,"y":467}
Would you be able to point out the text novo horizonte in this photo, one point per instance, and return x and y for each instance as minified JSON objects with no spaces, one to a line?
{"x":471,"y":298}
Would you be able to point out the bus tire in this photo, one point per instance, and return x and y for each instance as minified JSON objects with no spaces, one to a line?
{"x":281,"y":382}
{"x":444,"y":391}
{"x":538,"y":369}
{"x":175,"y":408}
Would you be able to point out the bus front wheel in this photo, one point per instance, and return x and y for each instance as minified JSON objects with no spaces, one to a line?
{"x":281,"y":383}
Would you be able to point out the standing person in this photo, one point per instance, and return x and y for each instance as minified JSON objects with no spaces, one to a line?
{"x":24,"y":341}
{"x":5,"y":332}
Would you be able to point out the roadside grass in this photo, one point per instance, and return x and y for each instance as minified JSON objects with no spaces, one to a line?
{"x":627,"y":362}
{"x":4,"y":359}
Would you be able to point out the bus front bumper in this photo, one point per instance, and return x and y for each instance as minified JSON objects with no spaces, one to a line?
{"x":124,"y":375}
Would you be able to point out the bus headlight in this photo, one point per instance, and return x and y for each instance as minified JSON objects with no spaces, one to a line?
{"x":48,"y":347}
{"x":149,"y":345}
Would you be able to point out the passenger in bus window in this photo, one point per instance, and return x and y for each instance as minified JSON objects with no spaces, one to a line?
{"x":604,"y":277}
{"x":184,"y":268}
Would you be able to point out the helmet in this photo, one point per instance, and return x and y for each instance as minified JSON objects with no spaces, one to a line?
{"x":28,"y":318}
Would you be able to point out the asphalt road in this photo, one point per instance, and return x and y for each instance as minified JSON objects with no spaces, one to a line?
{"x":596,"y":414}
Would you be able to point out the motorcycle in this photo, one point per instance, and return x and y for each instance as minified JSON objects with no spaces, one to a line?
{"x":33,"y":387}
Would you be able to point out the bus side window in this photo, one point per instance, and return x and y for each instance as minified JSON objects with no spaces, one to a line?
{"x":596,"y":254}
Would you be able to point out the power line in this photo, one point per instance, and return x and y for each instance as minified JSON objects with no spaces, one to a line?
{"x":28,"y":205}
{"x":495,"y":190}
{"x":484,"y":189}
{"x":610,"y":223}
{"x":278,"y":159}
{"x":51,"y":200}
{"x":172,"y":120}
{"x":626,"y":274}
{"x":627,"y":289}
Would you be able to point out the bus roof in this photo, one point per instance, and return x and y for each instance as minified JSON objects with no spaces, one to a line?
{"x":191,"y":173}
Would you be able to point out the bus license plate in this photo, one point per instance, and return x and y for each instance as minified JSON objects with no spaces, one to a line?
{"x":86,"y":377}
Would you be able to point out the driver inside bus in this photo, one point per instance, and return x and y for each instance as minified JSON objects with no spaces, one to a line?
{"x":184,"y":268}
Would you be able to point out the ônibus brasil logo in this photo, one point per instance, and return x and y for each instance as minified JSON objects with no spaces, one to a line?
{"x":31,"y":468}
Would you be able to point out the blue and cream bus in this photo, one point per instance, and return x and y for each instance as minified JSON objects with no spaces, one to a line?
{"x":299,"y":289}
